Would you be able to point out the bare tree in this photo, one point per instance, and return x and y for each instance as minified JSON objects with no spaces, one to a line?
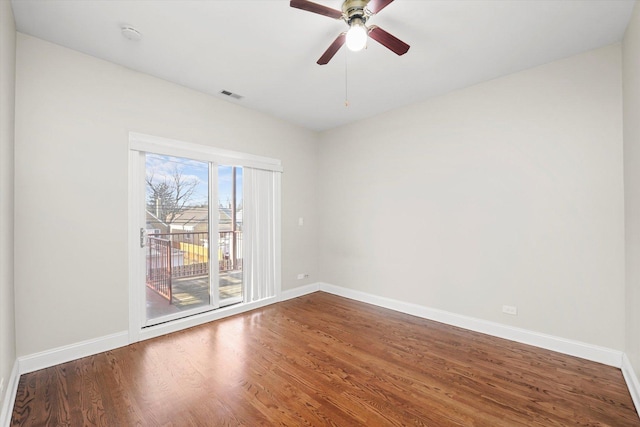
{"x":168,"y":198}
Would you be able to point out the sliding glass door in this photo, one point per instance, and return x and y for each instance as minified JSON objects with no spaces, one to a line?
{"x":204,"y":232}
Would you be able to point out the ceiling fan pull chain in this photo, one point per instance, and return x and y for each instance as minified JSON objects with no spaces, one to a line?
{"x":346,"y":81}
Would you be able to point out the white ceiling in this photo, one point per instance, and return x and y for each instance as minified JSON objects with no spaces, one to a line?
{"x":266,"y":51}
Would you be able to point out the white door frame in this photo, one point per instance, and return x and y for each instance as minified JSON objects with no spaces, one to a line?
{"x":137,"y":302}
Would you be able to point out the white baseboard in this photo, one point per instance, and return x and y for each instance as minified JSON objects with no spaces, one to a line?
{"x":561,"y":345}
{"x":570,"y":347}
{"x":9,"y":396}
{"x":45,"y":359}
{"x":632,"y":381}
{"x":300,"y":291}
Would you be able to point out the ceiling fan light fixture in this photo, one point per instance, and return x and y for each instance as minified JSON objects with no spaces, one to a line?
{"x":357,"y":35}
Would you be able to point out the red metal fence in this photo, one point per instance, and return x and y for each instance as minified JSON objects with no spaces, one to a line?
{"x":180,"y":255}
{"x":159,"y":266}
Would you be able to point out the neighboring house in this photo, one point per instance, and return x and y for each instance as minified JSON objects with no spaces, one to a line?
{"x":154,"y":223}
{"x":196,"y":220}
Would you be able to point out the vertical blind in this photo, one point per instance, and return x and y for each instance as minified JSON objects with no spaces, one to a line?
{"x":261,"y":231}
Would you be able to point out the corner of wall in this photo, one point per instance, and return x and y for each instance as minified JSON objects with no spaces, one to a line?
{"x":8,"y":371}
{"x":631,"y":143}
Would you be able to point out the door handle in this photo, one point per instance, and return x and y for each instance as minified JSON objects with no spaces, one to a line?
{"x":143,"y":237}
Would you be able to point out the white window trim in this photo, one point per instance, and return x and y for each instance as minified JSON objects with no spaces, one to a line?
{"x":146,"y":143}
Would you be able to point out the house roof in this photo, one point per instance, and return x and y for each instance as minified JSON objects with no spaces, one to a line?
{"x":193,"y":216}
{"x":196,"y":215}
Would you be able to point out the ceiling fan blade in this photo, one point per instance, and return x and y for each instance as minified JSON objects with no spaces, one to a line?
{"x":316,"y":8}
{"x":335,"y":46}
{"x":387,"y":40}
{"x":376,"y":6}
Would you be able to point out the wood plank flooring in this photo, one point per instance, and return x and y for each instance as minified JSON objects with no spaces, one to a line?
{"x":324,"y":360}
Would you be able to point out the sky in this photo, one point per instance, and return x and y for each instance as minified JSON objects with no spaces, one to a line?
{"x":162,"y":167}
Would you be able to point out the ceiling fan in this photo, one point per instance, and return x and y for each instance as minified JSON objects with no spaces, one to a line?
{"x":355,"y":13}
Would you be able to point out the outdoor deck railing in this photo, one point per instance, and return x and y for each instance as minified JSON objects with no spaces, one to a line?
{"x":186,"y":254}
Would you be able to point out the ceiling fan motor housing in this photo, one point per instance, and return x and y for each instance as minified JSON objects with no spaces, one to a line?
{"x":352,"y":9}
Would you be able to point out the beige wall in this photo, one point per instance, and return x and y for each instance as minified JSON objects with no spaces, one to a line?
{"x":631,"y":93}
{"x":73,"y":115}
{"x":507,"y":192}
{"x":7,"y":85}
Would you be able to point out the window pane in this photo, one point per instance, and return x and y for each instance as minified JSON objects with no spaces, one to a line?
{"x":230,"y":234}
{"x":177,"y":222}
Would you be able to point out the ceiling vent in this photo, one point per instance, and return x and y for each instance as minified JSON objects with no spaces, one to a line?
{"x":231,"y":94}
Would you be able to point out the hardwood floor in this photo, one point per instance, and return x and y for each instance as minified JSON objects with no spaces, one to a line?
{"x":325,"y":360}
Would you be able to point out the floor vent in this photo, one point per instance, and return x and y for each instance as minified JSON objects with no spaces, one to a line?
{"x":231,"y":94}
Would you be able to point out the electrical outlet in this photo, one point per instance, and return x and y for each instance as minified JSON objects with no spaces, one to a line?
{"x":301,"y":221}
{"x":302,"y":276}
{"x":510,"y":309}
